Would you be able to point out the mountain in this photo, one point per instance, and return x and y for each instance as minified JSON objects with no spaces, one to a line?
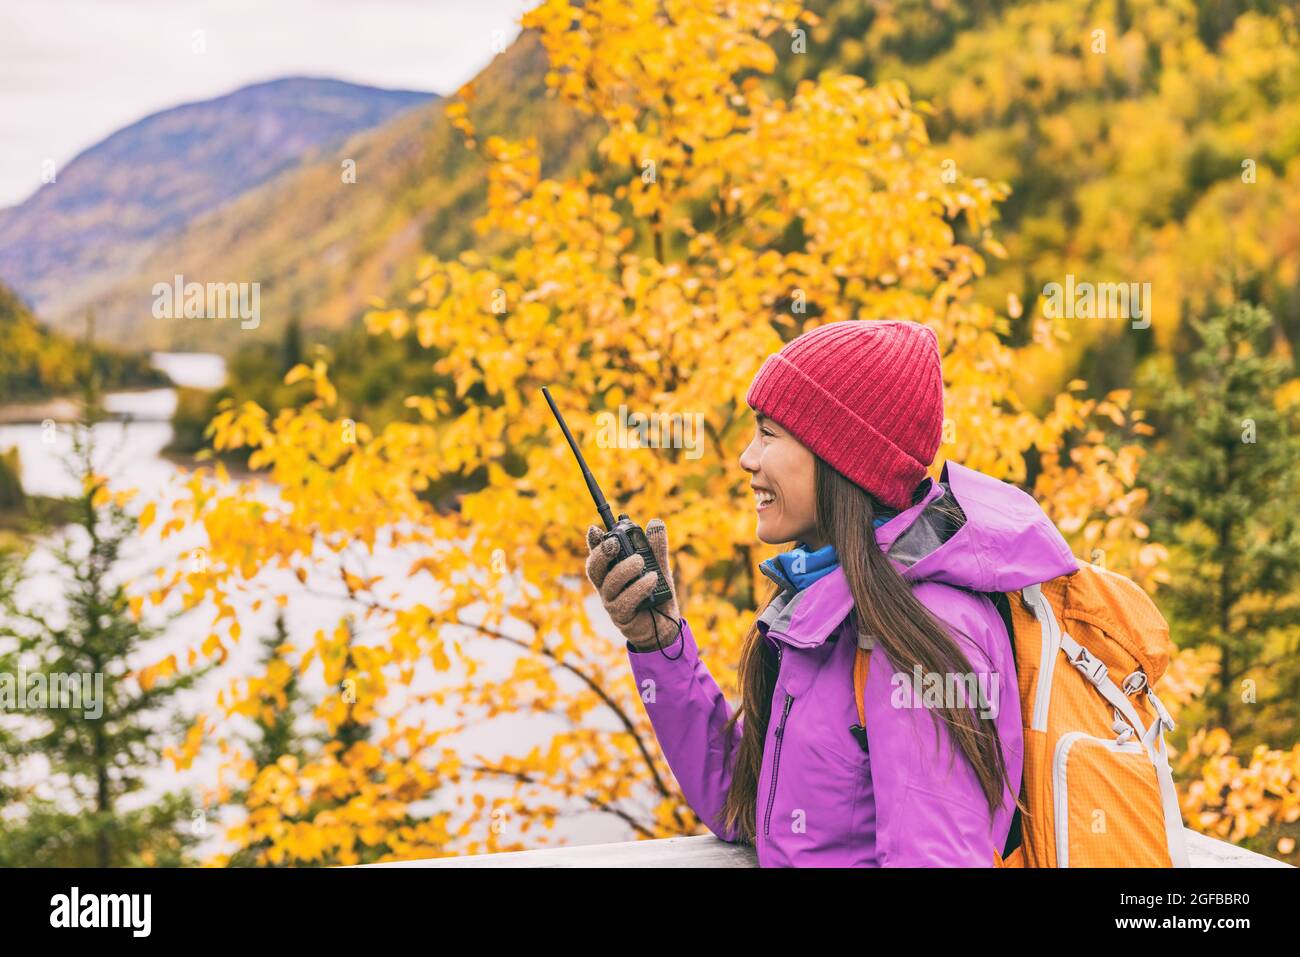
{"x":123,"y":196}
{"x":320,"y":247}
{"x":1127,"y":153}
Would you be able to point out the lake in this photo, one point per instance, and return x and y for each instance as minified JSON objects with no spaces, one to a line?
{"x":129,"y":450}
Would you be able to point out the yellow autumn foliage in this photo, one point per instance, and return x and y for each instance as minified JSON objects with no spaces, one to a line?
{"x":723,"y":218}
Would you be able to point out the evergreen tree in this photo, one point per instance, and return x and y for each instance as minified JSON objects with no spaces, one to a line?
{"x":275,"y":735}
{"x":275,"y":739}
{"x":291,"y":349}
{"x":99,"y":748}
{"x":11,"y":483}
{"x":1224,"y":498}
{"x":350,"y":731}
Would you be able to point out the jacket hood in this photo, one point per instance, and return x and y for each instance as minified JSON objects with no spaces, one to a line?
{"x":1002,"y":541}
{"x":997,"y":539}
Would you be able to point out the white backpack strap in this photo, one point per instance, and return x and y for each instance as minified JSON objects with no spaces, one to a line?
{"x":1041,"y":608}
{"x":1175,"y":834}
{"x":1094,"y":669}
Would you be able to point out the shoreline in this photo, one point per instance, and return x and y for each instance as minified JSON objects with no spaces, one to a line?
{"x":66,"y":409}
{"x":34,"y":412}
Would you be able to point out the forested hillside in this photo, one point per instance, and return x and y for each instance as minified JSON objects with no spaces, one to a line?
{"x":1143,"y":141}
{"x":37,"y":363}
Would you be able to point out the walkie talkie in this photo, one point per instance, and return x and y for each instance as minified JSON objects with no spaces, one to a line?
{"x":631,"y":539}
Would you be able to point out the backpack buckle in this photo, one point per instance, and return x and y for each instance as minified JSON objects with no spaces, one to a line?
{"x":860,"y":735}
{"x":1135,"y":681}
{"x":1094,"y":669}
{"x":1123,"y":730}
{"x":1032,"y":597}
{"x":1161,"y":710}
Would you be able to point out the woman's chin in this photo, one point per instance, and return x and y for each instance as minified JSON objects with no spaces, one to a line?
{"x":769,"y":533}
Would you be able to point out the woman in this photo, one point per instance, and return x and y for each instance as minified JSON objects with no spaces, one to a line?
{"x":848,"y":418}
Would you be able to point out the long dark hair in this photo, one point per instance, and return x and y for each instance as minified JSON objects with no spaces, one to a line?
{"x":886,"y":609}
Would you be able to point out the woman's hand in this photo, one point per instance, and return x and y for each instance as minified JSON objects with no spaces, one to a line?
{"x":626,"y":584}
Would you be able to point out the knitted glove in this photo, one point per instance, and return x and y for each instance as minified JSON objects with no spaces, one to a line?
{"x":621,"y":598}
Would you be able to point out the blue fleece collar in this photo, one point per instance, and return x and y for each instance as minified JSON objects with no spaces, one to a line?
{"x":802,"y":567}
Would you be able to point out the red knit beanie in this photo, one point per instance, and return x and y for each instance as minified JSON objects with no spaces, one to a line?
{"x":865,"y":395}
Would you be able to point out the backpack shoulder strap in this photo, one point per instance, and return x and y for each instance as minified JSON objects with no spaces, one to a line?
{"x":861,"y":663}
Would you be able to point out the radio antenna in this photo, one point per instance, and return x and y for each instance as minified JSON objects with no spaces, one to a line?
{"x":602,"y":506}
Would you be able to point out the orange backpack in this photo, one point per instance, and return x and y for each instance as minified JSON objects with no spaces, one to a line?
{"x":1096,"y":779}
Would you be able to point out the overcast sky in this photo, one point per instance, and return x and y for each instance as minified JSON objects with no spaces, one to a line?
{"x":73,"y":71}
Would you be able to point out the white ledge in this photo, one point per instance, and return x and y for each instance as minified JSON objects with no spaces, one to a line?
{"x":705,"y":850}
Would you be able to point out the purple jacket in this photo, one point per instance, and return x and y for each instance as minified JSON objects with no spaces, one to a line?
{"x":823,"y":800}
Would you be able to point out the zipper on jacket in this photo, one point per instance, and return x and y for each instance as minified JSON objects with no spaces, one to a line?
{"x":776,"y":763}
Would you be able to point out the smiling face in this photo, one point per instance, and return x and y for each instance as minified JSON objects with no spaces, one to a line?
{"x":784,"y":486}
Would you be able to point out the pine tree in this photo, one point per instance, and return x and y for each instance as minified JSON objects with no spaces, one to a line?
{"x":97,"y":749}
{"x":11,"y":484}
{"x":291,"y":349}
{"x":275,"y":735}
{"x":276,"y":739}
{"x":1224,"y":497}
